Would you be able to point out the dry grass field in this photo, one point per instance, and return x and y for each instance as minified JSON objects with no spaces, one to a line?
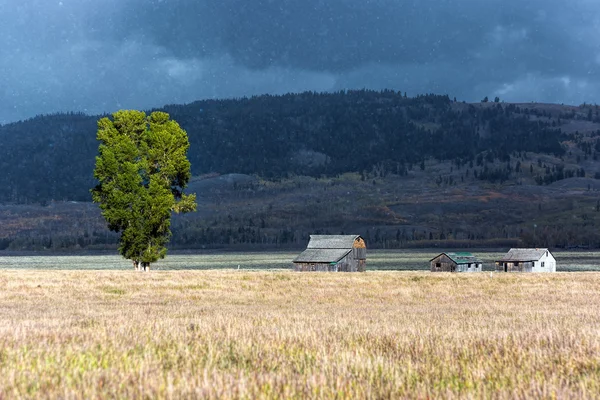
{"x":280,"y":334}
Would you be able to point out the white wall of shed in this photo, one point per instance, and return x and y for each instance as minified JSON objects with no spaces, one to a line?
{"x":549,"y":263}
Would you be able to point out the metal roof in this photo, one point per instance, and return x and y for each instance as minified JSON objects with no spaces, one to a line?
{"x":331,"y":241}
{"x":524,"y":255}
{"x":322,"y":255}
{"x":460,"y":257}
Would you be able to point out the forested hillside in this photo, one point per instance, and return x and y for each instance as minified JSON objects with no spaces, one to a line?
{"x":271,"y":170}
{"x":51,"y":157}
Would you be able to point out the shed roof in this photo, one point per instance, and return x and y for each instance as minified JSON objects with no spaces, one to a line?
{"x":322,"y":255}
{"x":460,"y":257}
{"x":523,"y":255}
{"x":331,"y":241}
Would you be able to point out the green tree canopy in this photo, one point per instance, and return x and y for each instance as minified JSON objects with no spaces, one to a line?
{"x":142,"y":170}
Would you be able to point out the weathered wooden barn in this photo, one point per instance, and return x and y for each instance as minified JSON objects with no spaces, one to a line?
{"x":456,"y":262}
{"x":336,"y":253}
{"x":527,"y":260}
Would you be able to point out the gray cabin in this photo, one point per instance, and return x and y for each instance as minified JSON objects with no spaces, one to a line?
{"x":335,"y":253}
{"x":527,"y":260}
{"x":456,"y":262}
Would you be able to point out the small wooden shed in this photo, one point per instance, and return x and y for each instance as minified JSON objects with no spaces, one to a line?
{"x":456,"y":262}
{"x":527,"y":260}
{"x":336,"y":253}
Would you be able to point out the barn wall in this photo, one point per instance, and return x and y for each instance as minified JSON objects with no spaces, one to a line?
{"x":471,"y":267}
{"x":315,"y":267}
{"x":515,"y":266}
{"x":348,"y":263}
{"x":362,"y":265}
{"x":537,"y":266}
{"x":445,"y":264}
{"x":359,"y":253}
{"x":549,"y":263}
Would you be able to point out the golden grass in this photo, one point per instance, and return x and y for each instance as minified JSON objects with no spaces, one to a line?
{"x":273,"y":334}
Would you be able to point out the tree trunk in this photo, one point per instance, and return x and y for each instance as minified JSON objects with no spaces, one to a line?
{"x":141,"y":266}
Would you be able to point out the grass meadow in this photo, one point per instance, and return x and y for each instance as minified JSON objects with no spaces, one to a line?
{"x":189,"y":330}
{"x":281,"y":260}
{"x":396,"y":260}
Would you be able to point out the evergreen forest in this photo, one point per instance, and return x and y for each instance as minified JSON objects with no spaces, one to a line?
{"x":51,"y":157}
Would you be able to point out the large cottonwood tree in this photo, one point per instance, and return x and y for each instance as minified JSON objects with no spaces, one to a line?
{"x":142,"y":170}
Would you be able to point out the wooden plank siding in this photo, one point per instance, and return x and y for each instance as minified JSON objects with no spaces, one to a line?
{"x":515,"y":266}
{"x":315,"y":267}
{"x":346,"y":264}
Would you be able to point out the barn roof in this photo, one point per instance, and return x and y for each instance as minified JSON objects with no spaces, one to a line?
{"x":331,"y":241}
{"x":327,"y":248}
{"x":460,"y":257}
{"x":523,"y":255}
{"x":322,"y":255}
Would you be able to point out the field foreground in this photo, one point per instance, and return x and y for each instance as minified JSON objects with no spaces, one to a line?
{"x":271,"y":334}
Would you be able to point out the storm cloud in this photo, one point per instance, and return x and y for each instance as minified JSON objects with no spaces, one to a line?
{"x":102,"y":55}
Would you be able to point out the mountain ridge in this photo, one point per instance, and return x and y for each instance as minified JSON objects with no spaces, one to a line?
{"x":309,"y":133}
{"x":270,"y":170}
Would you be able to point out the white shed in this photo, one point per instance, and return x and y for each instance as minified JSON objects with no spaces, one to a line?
{"x":527,"y":260}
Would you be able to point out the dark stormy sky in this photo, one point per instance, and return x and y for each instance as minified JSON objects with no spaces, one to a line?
{"x":103,"y":55}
